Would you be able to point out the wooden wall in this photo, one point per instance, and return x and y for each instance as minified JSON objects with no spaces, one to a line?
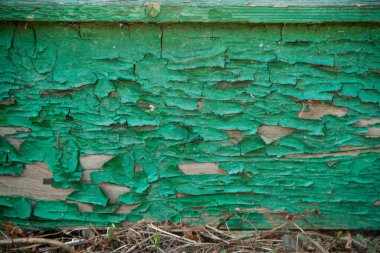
{"x":107,"y":123}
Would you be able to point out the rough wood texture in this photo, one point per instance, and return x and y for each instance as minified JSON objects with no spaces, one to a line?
{"x":31,"y":184}
{"x":126,"y":117}
{"x":200,"y":168}
{"x":258,"y":11}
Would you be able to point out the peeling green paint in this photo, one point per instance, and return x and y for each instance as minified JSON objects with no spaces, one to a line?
{"x":15,"y":207}
{"x":89,"y":193}
{"x":157,"y":96}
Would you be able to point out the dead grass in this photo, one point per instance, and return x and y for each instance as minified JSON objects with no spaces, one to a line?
{"x":147,"y":236}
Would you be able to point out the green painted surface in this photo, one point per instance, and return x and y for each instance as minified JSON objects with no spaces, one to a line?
{"x":173,"y":11}
{"x":156,"y":96}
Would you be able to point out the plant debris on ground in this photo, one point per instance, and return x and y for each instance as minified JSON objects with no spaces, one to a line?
{"x":147,"y":236}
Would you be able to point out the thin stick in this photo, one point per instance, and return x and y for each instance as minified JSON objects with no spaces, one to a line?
{"x":220,"y":232}
{"x":94,"y":230}
{"x":25,"y":247}
{"x":228,"y":217}
{"x":57,"y":142}
{"x":134,"y":246}
{"x":308,"y":237}
{"x":59,"y":244}
{"x":134,"y":231}
{"x":184,"y":229}
{"x":173,"y":235}
{"x":228,"y":229}
{"x":189,"y":245}
{"x":270,"y":232}
{"x":214,"y":237}
{"x":46,"y":235}
{"x":4,"y":234}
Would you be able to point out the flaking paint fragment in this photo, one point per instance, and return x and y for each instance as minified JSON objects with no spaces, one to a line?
{"x":89,"y":193}
{"x":15,"y":207}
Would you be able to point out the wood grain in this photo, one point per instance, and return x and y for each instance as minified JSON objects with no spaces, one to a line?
{"x":31,"y":184}
{"x":193,"y":11}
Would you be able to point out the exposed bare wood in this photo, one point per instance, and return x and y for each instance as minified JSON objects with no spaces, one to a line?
{"x":345,"y":152}
{"x":126,"y":208}
{"x":15,"y":142}
{"x":86,"y":175}
{"x":367,"y":122}
{"x":352,"y":148}
{"x":200,"y":104}
{"x":272,"y":133}
{"x":90,"y":162}
{"x":8,"y":132}
{"x":114,"y":191}
{"x":234,"y":137}
{"x":138,"y":167}
{"x":4,"y":131}
{"x":83,"y":207}
{"x":201,"y":168}
{"x":316,"y":110}
{"x":31,"y":184}
{"x":373,"y":132}
{"x":181,"y":195}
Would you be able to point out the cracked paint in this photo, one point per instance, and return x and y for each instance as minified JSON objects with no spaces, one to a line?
{"x":187,"y":121}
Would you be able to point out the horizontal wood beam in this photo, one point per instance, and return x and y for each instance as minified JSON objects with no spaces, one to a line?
{"x":195,"y":11}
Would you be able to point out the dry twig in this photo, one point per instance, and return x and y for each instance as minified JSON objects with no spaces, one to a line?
{"x":173,"y":235}
{"x":56,"y":243}
{"x":310,"y":239}
{"x":228,"y":217}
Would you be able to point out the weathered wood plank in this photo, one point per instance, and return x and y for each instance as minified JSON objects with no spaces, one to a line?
{"x":189,"y":122}
{"x":192,"y":11}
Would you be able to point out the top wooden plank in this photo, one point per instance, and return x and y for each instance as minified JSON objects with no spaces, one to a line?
{"x":168,"y":11}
